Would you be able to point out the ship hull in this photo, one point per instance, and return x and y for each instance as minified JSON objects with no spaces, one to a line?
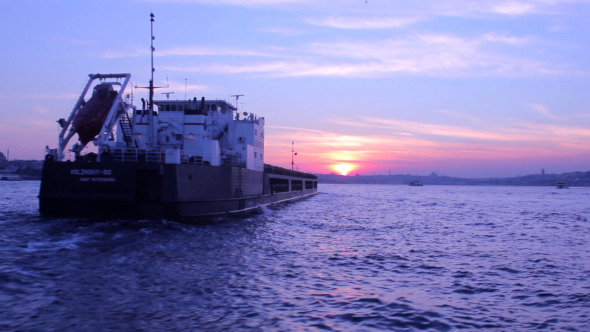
{"x":184,"y":192}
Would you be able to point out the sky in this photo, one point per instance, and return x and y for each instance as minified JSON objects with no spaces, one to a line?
{"x":460,"y":88}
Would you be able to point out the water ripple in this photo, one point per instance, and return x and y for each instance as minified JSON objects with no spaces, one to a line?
{"x":352,"y":258}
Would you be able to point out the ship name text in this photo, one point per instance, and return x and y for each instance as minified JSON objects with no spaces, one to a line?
{"x":83,"y":171}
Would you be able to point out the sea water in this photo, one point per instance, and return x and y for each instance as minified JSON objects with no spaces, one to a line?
{"x":352,"y":258}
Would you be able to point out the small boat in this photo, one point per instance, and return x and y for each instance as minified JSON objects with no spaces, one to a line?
{"x":416,"y":183}
{"x":10,"y":177}
{"x":561,"y":185}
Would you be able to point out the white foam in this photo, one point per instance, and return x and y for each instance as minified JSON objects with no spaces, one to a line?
{"x":70,"y":244}
{"x":265,"y":210}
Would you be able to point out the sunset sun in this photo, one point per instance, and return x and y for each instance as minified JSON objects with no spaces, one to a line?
{"x":343,"y":169}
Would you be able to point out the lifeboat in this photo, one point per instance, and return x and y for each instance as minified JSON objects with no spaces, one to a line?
{"x":91,"y":116}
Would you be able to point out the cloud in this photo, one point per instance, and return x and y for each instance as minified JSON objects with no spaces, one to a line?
{"x":116,"y":54}
{"x":433,"y":54}
{"x":216,"y":51}
{"x":486,"y":8}
{"x":440,"y":54}
{"x":525,"y":133}
{"x":399,"y":10}
{"x":459,"y":115}
{"x":72,"y":41}
{"x":183,"y":86}
{"x":427,"y":130}
{"x":543,"y":110}
{"x":188,"y":51}
{"x":240,"y":3}
{"x":39,"y":109}
{"x":351,"y":23}
{"x":477,"y":8}
{"x":56,"y":96}
{"x":375,"y":142}
{"x":282,"y":31}
{"x":513,"y":8}
{"x":496,"y":37}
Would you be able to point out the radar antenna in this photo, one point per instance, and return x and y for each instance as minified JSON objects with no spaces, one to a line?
{"x":167,"y":94}
{"x":237,"y":97}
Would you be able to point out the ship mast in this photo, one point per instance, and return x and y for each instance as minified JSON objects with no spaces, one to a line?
{"x":151,"y":87}
{"x":293,"y":154}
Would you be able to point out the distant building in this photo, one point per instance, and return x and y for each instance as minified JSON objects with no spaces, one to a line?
{"x":3,"y":160}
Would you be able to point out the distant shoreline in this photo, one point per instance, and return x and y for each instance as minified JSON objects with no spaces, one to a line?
{"x":31,"y":170}
{"x":572,"y":179}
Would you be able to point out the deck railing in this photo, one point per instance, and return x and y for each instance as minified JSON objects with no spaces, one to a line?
{"x":148,"y":156}
{"x":158,"y":156}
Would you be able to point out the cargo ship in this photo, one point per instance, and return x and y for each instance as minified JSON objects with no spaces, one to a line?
{"x":186,"y":160}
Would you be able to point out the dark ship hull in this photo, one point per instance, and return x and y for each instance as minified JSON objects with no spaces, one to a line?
{"x":184,"y":192}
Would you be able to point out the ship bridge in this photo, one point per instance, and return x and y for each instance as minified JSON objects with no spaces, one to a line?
{"x":195,"y":106}
{"x":211,"y":132}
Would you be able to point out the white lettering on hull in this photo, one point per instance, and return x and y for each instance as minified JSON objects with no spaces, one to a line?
{"x":83,"y":171}
{"x":88,"y":173}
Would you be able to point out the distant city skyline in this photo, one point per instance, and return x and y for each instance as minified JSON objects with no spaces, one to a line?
{"x":460,"y":88}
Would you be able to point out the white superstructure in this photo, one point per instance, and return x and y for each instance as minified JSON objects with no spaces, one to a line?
{"x":209,"y":131}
